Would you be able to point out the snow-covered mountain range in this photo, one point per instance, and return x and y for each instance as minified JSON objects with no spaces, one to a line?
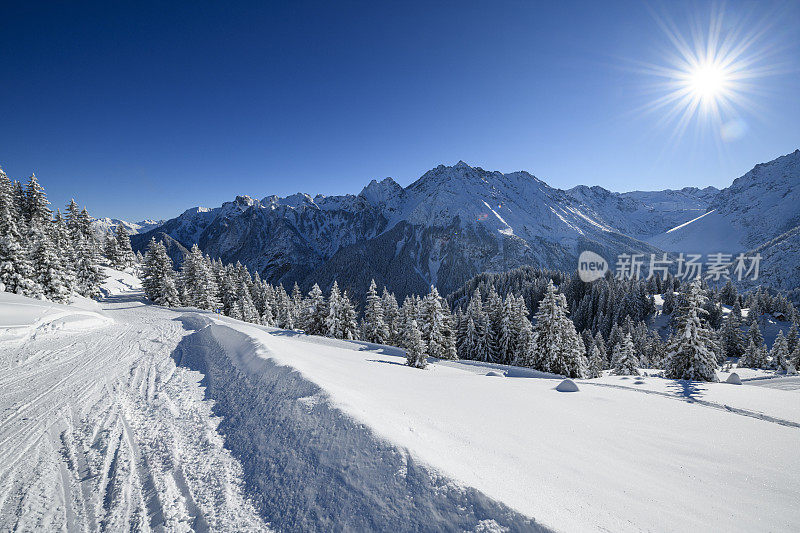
{"x":103,"y":226}
{"x":457,"y":221}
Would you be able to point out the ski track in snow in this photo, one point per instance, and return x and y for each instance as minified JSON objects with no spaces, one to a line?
{"x":99,"y":431}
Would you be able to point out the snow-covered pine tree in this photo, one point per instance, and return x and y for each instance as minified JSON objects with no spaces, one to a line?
{"x":65,"y":249}
{"x":416,"y":355}
{"x":448,"y":332}
{"x":158,"y":277}
{"x":779,"y":354}
{"x":49,"y":271}
{"x":391,"y":317}
{"x":316,"y":312}
{"x":691,"y":355}
{"x":557,"y":347}
{"x":36,"y":209}
{"x":493,"y":307}
{"x":600,"y":342}
{"x":333,"y":321}
{"x":791,"y":338}
{"x":349,"y":318}
{"x":227,"y":284}
{"x":298,"y":307}
{"x":74,"y":220}
{"x":88,"y":274}
{"x":430,"y":318}
{"x":16,"y":271}
{"x":374,"y":327}
{"x":266,"y":304}
{"x":245,"y":305}
{"x":110,"y":250}
{"x":596,"y":363}
{"x":505,"y":345}
{"x":125,"y":256}
{"x":669,"y":303}
{"x":754,"y":334}
{"x":625,"y":361}
{"x":731,"y":337}
{"x":755,"y":356}
{"x":197,"y":280}
{"x":794,"y":357}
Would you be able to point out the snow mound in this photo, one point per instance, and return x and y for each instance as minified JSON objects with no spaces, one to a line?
{"x":734,"y":379}
{"x":567,"y":386}
{"x":22,"y":317}
{"x":495,"y":373}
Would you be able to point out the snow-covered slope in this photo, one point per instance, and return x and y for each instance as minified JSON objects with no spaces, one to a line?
{"x":622,"y":454}
{"x":185,"y":420}
{"x":756,"y":208}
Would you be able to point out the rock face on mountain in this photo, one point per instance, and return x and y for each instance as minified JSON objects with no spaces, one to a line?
{"x":452,"y":223}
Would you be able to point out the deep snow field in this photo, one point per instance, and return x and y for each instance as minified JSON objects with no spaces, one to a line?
{"x":122,"y":415}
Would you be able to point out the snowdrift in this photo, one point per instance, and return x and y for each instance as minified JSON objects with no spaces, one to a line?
{"x":21,"y":317}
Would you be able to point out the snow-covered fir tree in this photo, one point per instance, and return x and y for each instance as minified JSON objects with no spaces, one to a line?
{"x":374,"y":327}
{"x":754,"y":334}
{"x":49,"y":271}
{"x":791,"y":338}
{"x":246,"y":308}
{"x":158,"y":277}
{"x":691,"y":354}
{"x":341,"y":321}
{"x":755,"y":356}
{"x":556,"y":346}
{"x":625,"y":360}
{"x":197,"y":281}
{"x":779,"y":355}
{"x":416,"y":355}
{"x":124,"y":253}
{"x":391,"y":317}
{"x":88,"y":274}
{"x":317,"y":312}
{"x":731,"y":337}
{"x":596,"y":363}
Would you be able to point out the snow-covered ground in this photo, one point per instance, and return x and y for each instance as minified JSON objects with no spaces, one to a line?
{"x":190,"y":420}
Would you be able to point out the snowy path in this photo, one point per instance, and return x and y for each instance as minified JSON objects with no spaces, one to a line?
{"x":782,"y":383}
{"x":109,"y":426}
{"x":99,"y":430}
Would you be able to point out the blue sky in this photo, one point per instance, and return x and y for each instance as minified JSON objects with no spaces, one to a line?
{"x":145,"y":109}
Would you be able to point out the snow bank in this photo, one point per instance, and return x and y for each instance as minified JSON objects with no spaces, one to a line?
{"x":21,"y":317}
{"x":350,"y":423}
{"x":307,"y":465}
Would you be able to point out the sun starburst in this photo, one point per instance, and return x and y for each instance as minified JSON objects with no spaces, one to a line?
{"x":709,"y":74}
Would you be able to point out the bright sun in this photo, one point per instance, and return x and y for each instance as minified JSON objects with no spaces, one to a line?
{"x":707,"y":82}
{"x":708,"y":73}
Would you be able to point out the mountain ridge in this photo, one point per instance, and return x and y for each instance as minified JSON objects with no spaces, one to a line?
{"x":448,"y":225}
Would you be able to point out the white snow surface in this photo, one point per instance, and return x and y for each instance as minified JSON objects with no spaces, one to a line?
{"x":186,"y":420}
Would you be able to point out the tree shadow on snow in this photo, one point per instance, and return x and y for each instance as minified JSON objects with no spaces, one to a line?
{"x":691,"y":390}
{"x":385,"y":362}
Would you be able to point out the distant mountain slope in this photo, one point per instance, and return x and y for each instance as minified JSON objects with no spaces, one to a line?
{"x":102,"y":226}
{"x":756,"y":208}
{"x":457,"y":221}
